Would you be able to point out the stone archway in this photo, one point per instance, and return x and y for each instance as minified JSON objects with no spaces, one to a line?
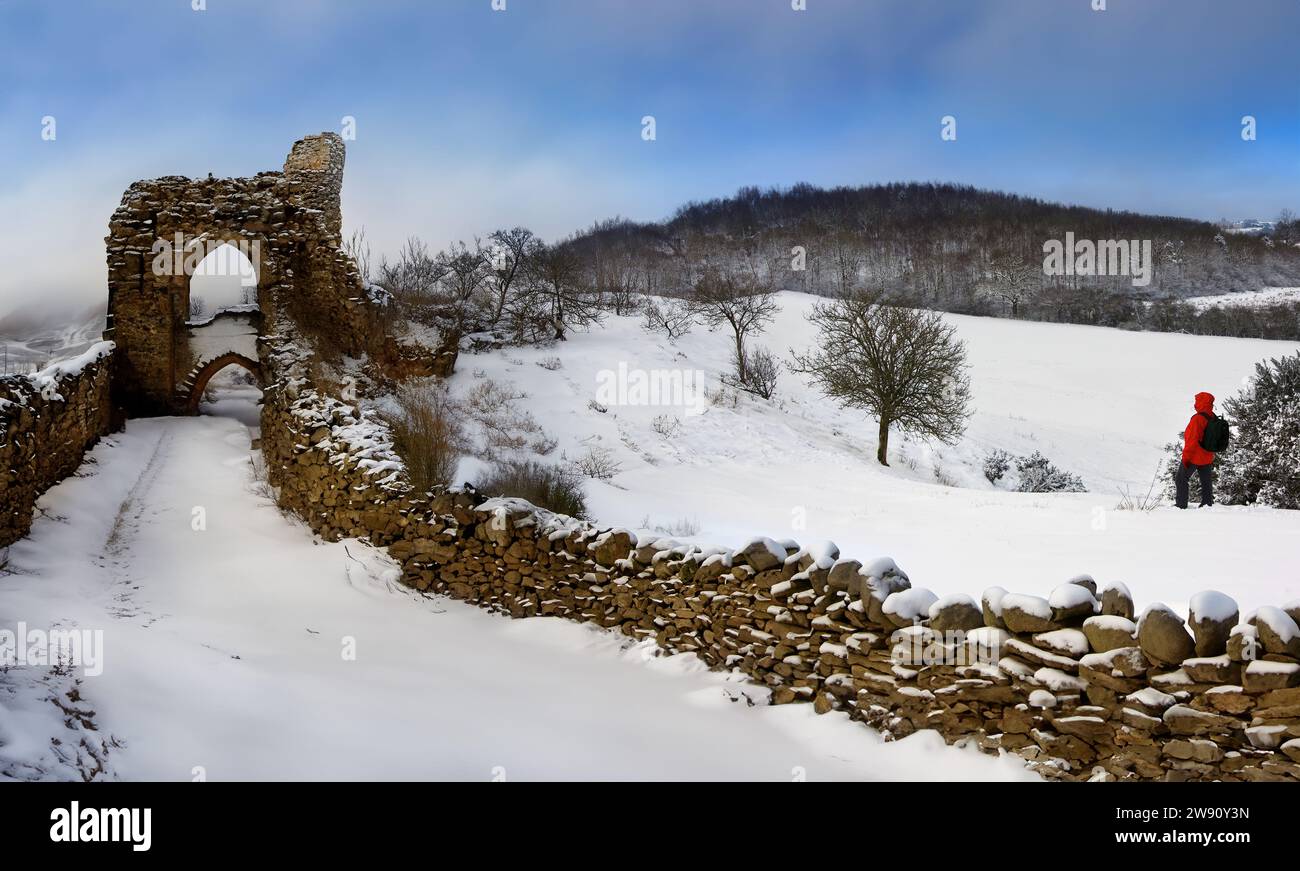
{"x":164,"y":227}
{"x":192,"y":387}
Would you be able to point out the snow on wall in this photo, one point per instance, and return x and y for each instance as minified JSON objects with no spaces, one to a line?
{"x":48,"y":419}
{"x":1070,"y":684}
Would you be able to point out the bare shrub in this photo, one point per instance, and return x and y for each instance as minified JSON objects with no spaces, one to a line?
{"x":1137,"y":501}
{"x":666,"y":425}
{"x":942,"y":476}
{"x":684,"y":526}
{"x":672,"y":317}
{"x":597,"y":463}
{"x":428,"y":434}
{"x":551,"y":487}
{"x":760,"y":373}
{"x":504,"y":426}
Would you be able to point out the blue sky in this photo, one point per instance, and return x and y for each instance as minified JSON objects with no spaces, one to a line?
{"x":469,"y":118}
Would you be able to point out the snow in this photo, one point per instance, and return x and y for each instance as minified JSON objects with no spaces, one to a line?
{"x":1071,"y":595}
{"x":1248,"y":299}
{"x":224,"y":653}
{"x":1279,"y":621}
{"x":949,"y":602}
{"x":912,"y":604}
{"x":1151,"y":698}
{"x":1033,"y":605}
{"x":1113,"y":622}
{"x":1042,"y":699}
{"x":1100,"y":403}
{"x":1058,"y":681}
{"x":1074,"y":642}
{"x":1213,"y":606}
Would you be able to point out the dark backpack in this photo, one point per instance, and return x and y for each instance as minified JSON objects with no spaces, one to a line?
{"x":1216,"y":435}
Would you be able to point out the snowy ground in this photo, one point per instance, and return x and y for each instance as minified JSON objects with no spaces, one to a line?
{"x":1099,"y":402}
{"x":224,"y":655}
{"x":1248,"y":299}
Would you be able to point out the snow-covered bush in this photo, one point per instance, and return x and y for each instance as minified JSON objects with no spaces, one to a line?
{"x":1039,"y":475}
{"x":996,"y":464}
{"x":1262,"y":464}
{"x":554,"y":488}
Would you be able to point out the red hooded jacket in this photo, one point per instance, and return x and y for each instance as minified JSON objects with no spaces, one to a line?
{"x":1192,"y":451}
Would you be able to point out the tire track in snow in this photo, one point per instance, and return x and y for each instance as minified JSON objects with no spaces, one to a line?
{"x":116,"y":554}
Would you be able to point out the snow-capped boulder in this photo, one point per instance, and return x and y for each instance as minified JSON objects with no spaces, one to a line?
{"x":1072,"y":602}
{"x":1163,"y":636}
{"x":1063,"y":642}
{"x":1292,"y":610}
{"x":879,"y":580}
{"x":1026,"y":614}
{"x":612,"y":546}
{"x":1278,"y":633}
{"x":1243,"y":643}
{"x":1109,"y":632}
{"x":1212,"y":616}
{"x":1085,"y":581}
{"x":908,"y":607}
{"x":1116,"y":601}
{"x":844,"y":576}
{"x":991,"y":605}
{"x":955,"y":613}
{"x":762,"y":554}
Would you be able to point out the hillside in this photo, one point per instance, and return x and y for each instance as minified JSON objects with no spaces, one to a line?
{"x":1100,"y":403}
{"x":942,"y":245}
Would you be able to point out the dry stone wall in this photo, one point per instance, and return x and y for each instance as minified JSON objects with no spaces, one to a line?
{"x":47,"y":422}
{"x":1076,"y":684}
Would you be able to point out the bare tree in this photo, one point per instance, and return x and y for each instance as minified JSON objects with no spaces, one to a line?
{"x":1012,"y":279}
{"x":509,"y":260}
{"x":358,"y":248}
{"x":413,"y":280}
{"x":557,"y":288}
{"x":463,"y":285}
{"x":738,"y":301}
{"x":905,"y":366}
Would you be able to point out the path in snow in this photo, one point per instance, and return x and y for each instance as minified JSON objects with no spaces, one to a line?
{"x":224,"y":655}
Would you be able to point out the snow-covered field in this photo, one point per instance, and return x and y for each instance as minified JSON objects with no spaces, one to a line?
{"x":1098,"y":402}
{"x":1250,"y":299}
{"x":225,"y":647}
{"x":224,"y":656}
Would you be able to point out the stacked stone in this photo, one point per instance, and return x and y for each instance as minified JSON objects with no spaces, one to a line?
{"x":47,"y":422}
{"x":1071,"y":683}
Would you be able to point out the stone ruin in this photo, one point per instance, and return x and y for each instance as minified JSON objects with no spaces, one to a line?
{"x":288,"y":224}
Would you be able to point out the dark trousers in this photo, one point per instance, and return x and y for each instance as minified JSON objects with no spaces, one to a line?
{"x":1183,"y":477}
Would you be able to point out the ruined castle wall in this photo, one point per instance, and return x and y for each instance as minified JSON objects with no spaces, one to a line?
{"x":47,"y":422}
{"x":288,"y":222}
{"x":1077,"y":685}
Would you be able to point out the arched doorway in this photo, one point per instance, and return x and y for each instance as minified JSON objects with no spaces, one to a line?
{"x":210,"y":389}
{"x":225,"y":280}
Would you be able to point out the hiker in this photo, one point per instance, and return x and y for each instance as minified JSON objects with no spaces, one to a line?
{"x":1206,"y":434}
